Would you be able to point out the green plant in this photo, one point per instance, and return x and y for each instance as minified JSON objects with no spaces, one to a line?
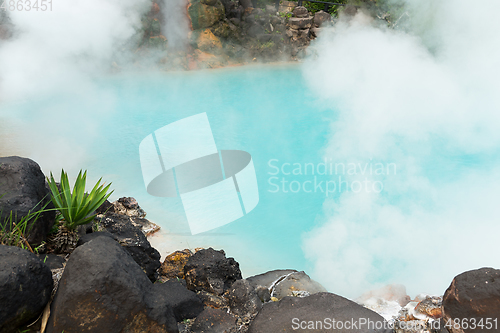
{"x":75,"y":207}
{"x":13,"y":232}
{"x":286,"y":15}
{"x":316,"y":7}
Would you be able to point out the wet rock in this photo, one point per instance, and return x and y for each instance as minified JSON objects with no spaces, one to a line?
{"x":173,"y":265}
{"x":300,"y":23}
{"x":213,"y":301}
{"x":243,"y":299}
{"x":288,"y":314}
{"x":473,"y":294}
{"x":320,"y":18}
{"x":134,"y":241}
{"x":211,"y":271}
{"x":214,"y":321}
{"x":204,"y":16}
{"x":104,"y":290}
{"x":184,"y":303}
{"x":25,"y":288}
{"x":300,"y":11}
{"x":23,"y":189}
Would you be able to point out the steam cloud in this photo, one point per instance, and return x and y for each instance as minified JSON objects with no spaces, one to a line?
{"x":427,"y":100}
{"x":61,"y":51}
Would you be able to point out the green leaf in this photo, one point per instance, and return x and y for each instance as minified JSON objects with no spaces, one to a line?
{"x":76,"y":206}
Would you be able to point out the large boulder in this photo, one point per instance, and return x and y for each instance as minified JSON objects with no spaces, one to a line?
{"x":25,"y":287}
{"x":270,"y":278}
{"x":297,"y":284}
{"x":132,"y":238}
{"x":184,"y":303}
{"x":211,"y":271}
{"x":204,"y":15}
{"x":473,"y":294}
{"x":23,"y":189}
{"x":322,"y":312}
{"x":286,"y":282}
{"x":103,"y":289}
{"x":214,"y":321}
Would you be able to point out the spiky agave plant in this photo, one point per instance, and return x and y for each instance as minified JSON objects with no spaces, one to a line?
{"x":75,"y":208}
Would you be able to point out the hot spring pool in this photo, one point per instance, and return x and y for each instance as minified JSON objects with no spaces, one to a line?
{"x":376,"y":237}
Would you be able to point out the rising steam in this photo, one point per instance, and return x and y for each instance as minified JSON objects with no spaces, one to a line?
{"x":427,"y":100}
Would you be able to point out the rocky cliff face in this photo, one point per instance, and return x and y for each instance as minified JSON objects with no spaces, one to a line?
{"x":226,"y":32}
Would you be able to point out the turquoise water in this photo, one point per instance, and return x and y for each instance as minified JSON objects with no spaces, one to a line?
{"x":266,"y":111}
{"x":270,"y":113}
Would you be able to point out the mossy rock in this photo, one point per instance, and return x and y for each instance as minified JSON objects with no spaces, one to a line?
{"x":203,"y":15}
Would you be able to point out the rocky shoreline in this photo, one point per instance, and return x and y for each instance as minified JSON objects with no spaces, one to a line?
{"x":114,"y":281}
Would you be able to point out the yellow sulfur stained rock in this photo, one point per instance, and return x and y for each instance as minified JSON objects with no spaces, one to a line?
{"x":208,"y":42}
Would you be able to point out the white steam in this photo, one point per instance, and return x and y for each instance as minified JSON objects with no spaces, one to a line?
{"x":422,"y":100}
{"x":176,"y":24}
{"x":60,"y":51}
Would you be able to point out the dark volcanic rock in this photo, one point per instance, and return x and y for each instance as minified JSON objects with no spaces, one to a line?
{"x":214,"y":321}
{"x":473,"y":294}
{"x":106,"y":207}
{"x":88,"y":237}
{"x":52,"y":261}
{"x":267,"y":279}
{"x":184,"y":302}
{"x":104,"y":290}
{"x":134,"y":241}
{"x":243,"y":299}
{"x":296,"y":284}
{"x":25,"y":287}
{"x":290,"y":313}
{"x":211,"y":271}
{"x":23,"y":189}
{"x":213,"y":301}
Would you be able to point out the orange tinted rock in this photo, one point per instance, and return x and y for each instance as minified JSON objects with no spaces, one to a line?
{"x":431,"y":306}
{"x":173,"y":266}
{"x":208,"y":42}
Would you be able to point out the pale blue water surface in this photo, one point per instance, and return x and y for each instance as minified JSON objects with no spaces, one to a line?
{"x":267,"y":111}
